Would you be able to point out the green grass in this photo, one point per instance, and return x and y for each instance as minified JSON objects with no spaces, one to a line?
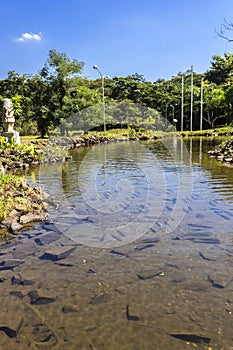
{"x":120,"y":133}
{"x":130,"y":132}
{"x":10,"y":188}
{"x":29,"y":139}
{"x":125,"y":133}
{"x":226,"y":130}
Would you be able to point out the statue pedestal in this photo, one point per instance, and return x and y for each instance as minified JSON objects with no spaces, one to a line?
{"x":14,"y":134}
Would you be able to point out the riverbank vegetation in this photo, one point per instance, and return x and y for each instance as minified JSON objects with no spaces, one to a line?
{"x":20,"y":204}
{"x":46,"y":100}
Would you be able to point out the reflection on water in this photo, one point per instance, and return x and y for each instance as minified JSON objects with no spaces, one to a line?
{"x":171,"y":288}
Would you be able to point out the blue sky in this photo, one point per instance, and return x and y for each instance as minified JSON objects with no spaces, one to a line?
{"x":156,"y":38}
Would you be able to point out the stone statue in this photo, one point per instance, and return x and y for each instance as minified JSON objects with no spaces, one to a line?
{"x":8,"y":120}
{"x":8,"y":115}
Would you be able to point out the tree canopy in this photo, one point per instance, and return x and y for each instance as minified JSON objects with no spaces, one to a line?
{"x":46,"y":100}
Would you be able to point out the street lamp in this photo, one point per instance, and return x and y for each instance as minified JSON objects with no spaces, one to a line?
{"x":102,"y":79}
{"x":173,"y":113}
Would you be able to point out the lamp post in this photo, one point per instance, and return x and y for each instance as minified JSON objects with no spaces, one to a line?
{"x":102,"y":79}
{"x":173,"y":111}
{"x":191,"y":101}
{"x":173,"y":114}
{"x":166,"y":117}
{"x":201,"y":109}
{"x":182,"y":103}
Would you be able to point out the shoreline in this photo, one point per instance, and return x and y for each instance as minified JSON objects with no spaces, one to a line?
{"x":33,"y":208}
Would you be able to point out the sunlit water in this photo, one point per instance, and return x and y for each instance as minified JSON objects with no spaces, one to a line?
{"x":151,"y":224}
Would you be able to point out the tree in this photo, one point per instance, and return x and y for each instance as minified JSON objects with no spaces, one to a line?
{"x":49,"y":90}
{"x":226,"y":26}
{"x":220,"y":70}
{"x":215,"y":103}
{"x":64,"y":68}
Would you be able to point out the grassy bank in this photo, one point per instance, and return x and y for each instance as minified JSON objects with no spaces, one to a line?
{"x":130,"y":132}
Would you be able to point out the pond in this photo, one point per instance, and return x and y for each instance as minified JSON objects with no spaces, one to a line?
{"x":137,"y":253}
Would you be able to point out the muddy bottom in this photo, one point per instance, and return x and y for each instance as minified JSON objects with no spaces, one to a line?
{"x":165,"y":277}
{"x":152,"y":294}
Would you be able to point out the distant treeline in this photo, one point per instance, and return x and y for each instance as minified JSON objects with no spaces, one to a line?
{"x":46,"y":100}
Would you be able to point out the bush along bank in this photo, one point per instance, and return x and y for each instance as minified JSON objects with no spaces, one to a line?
{"x":14,"y":156}
{"x":21,"y":204}
{"x":223,"y":152}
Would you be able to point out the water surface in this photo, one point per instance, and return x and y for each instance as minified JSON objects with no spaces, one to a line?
{"x":152,"y":265}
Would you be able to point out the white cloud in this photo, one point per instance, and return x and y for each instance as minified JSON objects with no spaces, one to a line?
{"x":29,"y":36}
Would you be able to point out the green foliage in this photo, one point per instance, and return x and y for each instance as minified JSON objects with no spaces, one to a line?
{"x":8,"y":185}
{"x":9,"y":148}
{"x":46,"y":100}
{"x":221,"y":68}
{"x":16,"y":195}
{"x":54,"y":153}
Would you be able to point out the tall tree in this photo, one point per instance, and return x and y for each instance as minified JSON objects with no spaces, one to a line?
{"x":221,"y":68}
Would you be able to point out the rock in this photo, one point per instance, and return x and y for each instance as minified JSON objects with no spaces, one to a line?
{"x":10,"y":264}
{"x":219,"y":280}
{"x":57,"y":253}
{"x":20,"y":281}
{"x":17,"y":294}
{"x":44,"y":338}
{"x":4,"y":251}
{"x":32,"y":217}
{"x":192,"y":338}
{"x":25,"y":166}
{"x":64,"y":265}
{"x":47,"y":238}
{"x":220,"y":157}
{"x":25,"y":249}
{"x":223,"y":152}
{"x":16,"y":164}
{"x":68,"y":309}
{"x":40,"y":297}
{"x":227,"y":159}
{"x":11,"y":217}
{"x":50,"y":226}
{"x":174,"y":266}
{"x":11,"y":326}
{"x":144,"y":137}
{"x":15,"y":226}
